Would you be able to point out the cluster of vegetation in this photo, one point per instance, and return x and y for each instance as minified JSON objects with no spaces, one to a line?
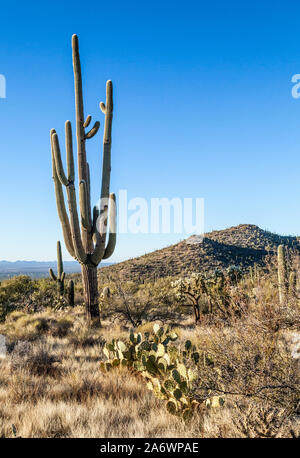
{"x":226,"y":375}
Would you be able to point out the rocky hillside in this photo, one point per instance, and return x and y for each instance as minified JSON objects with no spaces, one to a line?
{"x":241,"y":245}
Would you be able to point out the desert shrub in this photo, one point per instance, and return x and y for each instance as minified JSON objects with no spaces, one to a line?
{"x":5,"y":309}
{"x":15,"y":294}
{"x":36,"y":359}
{"x":134,"y":304}
{"x":218,"y":294}
{"x":18,"y":287}
{"x":30,"y":296}
{"x":251,"y":362}
{"x":259,"y":420}
{"x":124,"y":304}
{"x":45,"y":294}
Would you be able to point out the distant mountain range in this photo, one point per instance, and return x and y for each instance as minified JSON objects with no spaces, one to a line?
{"x":36,"y":269}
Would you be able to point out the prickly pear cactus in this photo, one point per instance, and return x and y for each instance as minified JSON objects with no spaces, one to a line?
{"x":167,"y":371}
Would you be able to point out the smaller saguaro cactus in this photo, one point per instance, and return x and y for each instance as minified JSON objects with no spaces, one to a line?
{"x":70,"y":293}
{"x":292,"y":284}
{"x":251,"y":274}
{"x":282,"y":275}
{"x":60,"y":277}
{"x":106,"y":292}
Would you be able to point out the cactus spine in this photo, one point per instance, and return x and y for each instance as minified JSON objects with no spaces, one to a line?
{"x":282,"y":275}
{"x":60,"y":277}
{"x":71,"y":293}
{"x":85,"y":234}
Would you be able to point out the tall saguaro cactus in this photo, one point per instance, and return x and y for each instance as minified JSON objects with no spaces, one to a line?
{"x":60,"y":277}
{"x":85,"y":233}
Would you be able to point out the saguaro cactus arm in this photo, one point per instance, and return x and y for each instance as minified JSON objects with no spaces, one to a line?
{"x":79,"y":252}
{"x":60,"y":203}
{"x":69,"y":150}
{"x":84,"y":205}
{"x":112,"y":228}
{"x":52,"y":275}
{"x":91,"y":133}
{"x":87,"y":121}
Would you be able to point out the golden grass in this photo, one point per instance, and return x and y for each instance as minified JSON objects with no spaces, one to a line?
{"x":81,"y":401}
{"x":74,"y":399}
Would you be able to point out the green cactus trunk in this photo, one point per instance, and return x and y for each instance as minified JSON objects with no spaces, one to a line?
{"x":85,"y":234}
{"x":71,"y":294}
{"x":292,"y":284}
{"x":90,"y":284}
{"x":282,"y":275}
{"x":60,"y":287}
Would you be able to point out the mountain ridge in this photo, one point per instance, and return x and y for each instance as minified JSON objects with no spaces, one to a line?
{"x":241,"y":245}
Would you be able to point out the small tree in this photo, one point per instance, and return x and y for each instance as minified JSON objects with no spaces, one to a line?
{"x":192,"y":288}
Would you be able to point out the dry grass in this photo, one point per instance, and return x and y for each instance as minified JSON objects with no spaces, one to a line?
{"x":55,"y":387}
{"x":77,"y":400}
{"x":80,"y":401}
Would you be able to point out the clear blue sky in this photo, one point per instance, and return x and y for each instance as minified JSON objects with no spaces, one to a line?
{"x":203,"y":108}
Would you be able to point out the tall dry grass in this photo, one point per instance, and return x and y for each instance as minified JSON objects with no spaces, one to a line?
{"x":52,"y":386}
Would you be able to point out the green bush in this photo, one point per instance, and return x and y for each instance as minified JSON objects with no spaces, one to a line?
{"x":15,"y":294}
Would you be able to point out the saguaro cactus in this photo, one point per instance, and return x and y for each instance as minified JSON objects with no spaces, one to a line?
{"x":292,"y":284}
{"x":71,"y":293}
{"x":60,"y":277}
{"x":282,"y":275}
{"x":106,"y":292}
{"x":85,"y":234}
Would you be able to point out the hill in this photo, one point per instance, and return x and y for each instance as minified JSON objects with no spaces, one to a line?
{"x":241,"y":245}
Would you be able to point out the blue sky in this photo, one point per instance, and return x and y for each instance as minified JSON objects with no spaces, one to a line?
{"x":203,"y":108}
